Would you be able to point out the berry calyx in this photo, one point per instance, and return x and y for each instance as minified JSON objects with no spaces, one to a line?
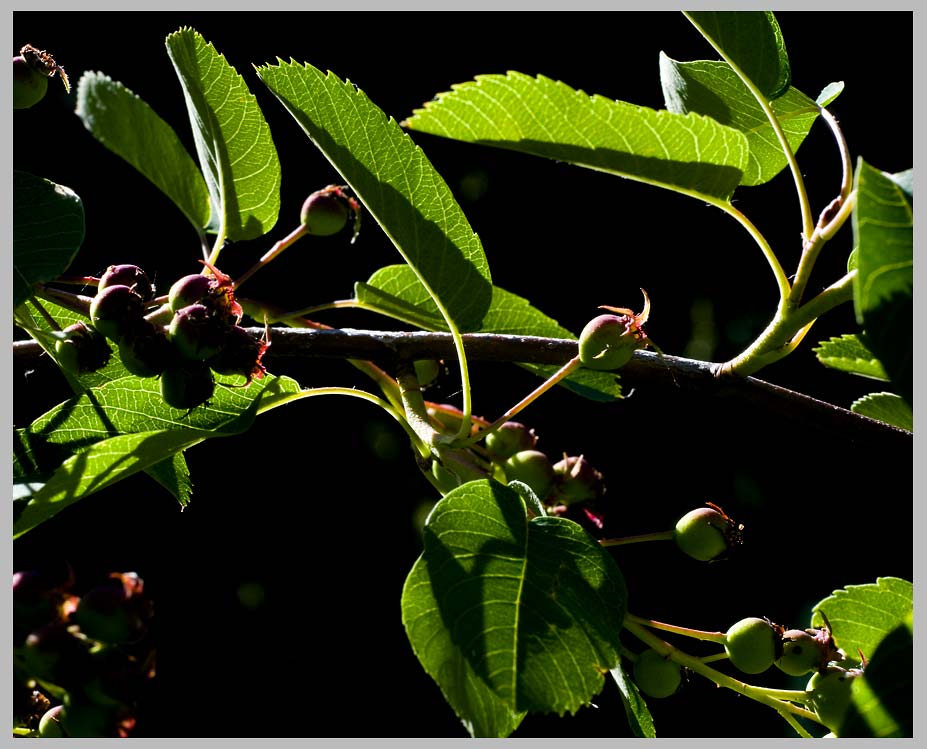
{"x":533,"y":468}
{"x":656,"y":675}
{"x":706,"y":533}
{"x":115,"y":310}
{"x":752,"y":644}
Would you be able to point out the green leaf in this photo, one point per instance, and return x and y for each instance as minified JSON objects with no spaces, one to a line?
{"x":849,"y":353}
{"x":639,"y":718}
{"x":128,"y":127}
{"x":393,"y":290}
{"x":691,"y":154}
{"x":395,"y":182}
{"x":750,"y":40}
{"x":534,"y":607}
{"x":111,"y":432}
{"x":829,"y":93}
{"x":862,"y":615}
{"x":233,"y":141}
{"x":48,"y":228}
{"x":883,"y":226}
{"x":887,"y":407}
{"x":714,"y":90}
{"x":882,"y":700}
{"x":174,"y":475}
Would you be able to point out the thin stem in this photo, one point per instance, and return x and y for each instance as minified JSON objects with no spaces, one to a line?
{"x":565,"y":371}
{"x":273,"y":252}
{"x":643,"y":538}
{"x":697,"y":665}
{"x":52,"y":322}
{"x":846,"y":184}
{"x":812,"y":248}
{"x":696,"y":634}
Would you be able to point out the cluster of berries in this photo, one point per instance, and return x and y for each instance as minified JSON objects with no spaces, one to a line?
{"x":203,"y":336}
{"x":91,"y":654}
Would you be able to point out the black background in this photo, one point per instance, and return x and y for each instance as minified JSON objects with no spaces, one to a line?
{"x":316,"y":506}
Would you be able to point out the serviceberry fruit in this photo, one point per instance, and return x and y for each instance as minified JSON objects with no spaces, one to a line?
{"x":197,"y":333}
{"x":115,"y":310}
{"x":576,"y":480}
{"x":324,"y":212}
{"x":29,"y":84}
{"x":84,"y":350}
{"x":508,"y":439}
{"x":533,"y":468}
{"x":192,"y":289}
{"x":803,"y":651}
{"x":831,"y":691}
{"x":127,"y":275}
{"x":188,"y":385}
{"x":146,"y":351}
{"x":240,"y":354}
{"x":752,"y":644}
{"x":656,"y":675}
{"x":56,"y":653}
{"x":609,"y":341}
{"x":706,"y":533}
{"x":50,"y":724}
{"x":105,"y":614}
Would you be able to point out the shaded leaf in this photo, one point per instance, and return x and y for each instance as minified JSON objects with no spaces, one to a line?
{"x":883,"y":228}
{"x":393,"y":291}
{"x":233,"y":142}
{"x":174,"y":475}
{"x":128,"y":127}
{"x":861,"y":615}
{"x":849,"y":353}
{"x":533,"y":606}
{"x":111,"y":432}
{"x":882,"y":700}
{"x":690,"y":154}
{"x":751,"y":40}
{"x":395,"y":182}
{"x":714,"y":90}
{"x":887,"y":407}
{"x":639,"y":718}
{"x":48,"y":228}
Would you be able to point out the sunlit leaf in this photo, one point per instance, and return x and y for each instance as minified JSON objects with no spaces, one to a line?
{"x":751,"y":40}
{"x":713,"y":89}
{"x":48,"y":228}
{"x":396,"y":183}
{"x":883,"y":225}
{"x":128,"y":127}
{"x":691,"y":154}
{"x":533,"y":606}
{"x":849,"y":353}
{"x":887,"y":407}
{"x":233,"y":141}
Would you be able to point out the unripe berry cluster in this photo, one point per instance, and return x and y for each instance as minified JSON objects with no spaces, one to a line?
{"x":754,"y":644}
{"x":91,"y":653}
{"x":203,"y":336}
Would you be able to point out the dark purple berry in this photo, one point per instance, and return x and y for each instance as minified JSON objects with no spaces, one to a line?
{"x":193,"y":289}
{"x":576,"y":480}
{"x":197,"y":333}
{"x":146,"y":351}
{"x":188,"y":385}
{"x":115,"y":311}
{"x":127,"y":275}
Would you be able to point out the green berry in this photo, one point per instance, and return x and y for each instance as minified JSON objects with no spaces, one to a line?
{"x":324,"y":213}
{"x":831,"y":691}
{"x":84,"y":349}
{"x":609,"y":341}
{"x":705,"y":533}
{"x":115,"y":310}
{"x":751,"y":644}
{"x":29,"y":83}
{"x":802,"y":652}
{"x":533,"y":468}
{"x":508,"y":439}
{"x":656,"y":675}
{"x":50,"y":724}
{"x":187,"y":385}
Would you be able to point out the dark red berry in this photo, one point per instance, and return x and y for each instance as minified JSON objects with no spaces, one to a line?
{"x":127,"y":275}
{"x":197,"y":333}
{"x":193,"y":289}
{"x":115,"y":310}
{"x":146,"y":350}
